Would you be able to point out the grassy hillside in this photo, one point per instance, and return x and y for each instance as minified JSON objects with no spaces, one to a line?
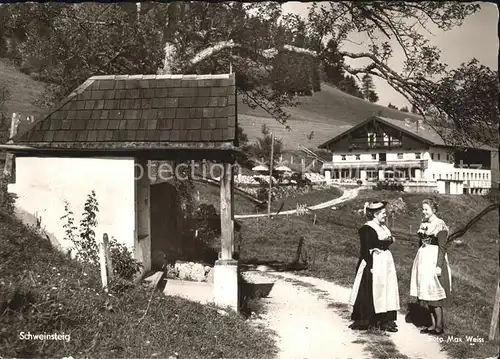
{"x":332,"y":247}
{"x":327,"y":113}
{"x":23,"y":90}
{"x":43,"y":292}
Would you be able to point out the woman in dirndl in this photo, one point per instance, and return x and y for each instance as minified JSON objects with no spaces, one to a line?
{"x":431,"y":275}
{"x":374,"y":296}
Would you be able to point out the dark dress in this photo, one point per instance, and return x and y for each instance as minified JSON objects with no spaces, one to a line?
{"x":363,"y":309}
{"x":441,"y":240}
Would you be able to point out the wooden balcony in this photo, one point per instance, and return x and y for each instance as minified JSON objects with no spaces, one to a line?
{"x":363,"y":143}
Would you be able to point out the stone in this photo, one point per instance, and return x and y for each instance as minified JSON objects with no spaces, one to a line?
{"x":153,"y":280}
{"x":171,"y":272}
{"x":184,"y":270}
{"x":225,"y":284}
{"x":197,"y":272}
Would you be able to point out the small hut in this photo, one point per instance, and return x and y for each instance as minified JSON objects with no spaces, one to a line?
{"x":149,"y":118}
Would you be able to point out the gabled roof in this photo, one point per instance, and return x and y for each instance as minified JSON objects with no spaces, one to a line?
{"x":421,"y":131}
{"x":393,"y":123}
{"x":141,"y":112}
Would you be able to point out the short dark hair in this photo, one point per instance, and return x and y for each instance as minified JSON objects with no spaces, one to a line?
{"x":431,"y":203}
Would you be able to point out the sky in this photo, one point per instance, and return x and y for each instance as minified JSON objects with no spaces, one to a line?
{"x":477,"y":37}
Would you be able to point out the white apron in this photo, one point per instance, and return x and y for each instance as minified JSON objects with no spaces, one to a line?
{"x":385,"y":283}
{"x":425,"y":283}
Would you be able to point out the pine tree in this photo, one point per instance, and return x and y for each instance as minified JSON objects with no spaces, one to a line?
{"x":367,"y":87}
{"x":373,"y":97}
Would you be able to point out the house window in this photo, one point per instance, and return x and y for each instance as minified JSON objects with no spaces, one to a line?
{"x":447,"y":176}
{"x":358,"y":157}
{"x":447,"y":157}
{"x":487,"y":177}
{"x":440,"y":176}
{"x":374,"y":156}
{"x":439,"y":156}
{"x":342,"y":157}
{"x":371,"y":139}
{"x":400,"y":156}
{"x":418,"y":155}
{"x":432,"y":156}
{"x":433,"y":176}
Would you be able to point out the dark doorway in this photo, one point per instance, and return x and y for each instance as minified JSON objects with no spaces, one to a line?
{"x":165,"y":225}
{"x":447,"y":187}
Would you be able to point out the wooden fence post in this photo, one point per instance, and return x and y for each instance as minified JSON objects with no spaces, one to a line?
{"x":107,"y":252}
{"x":105,"y":262}
{"x":494,"y":318}
{"x":299,"y":249}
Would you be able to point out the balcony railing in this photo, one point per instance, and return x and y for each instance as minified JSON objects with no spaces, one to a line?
{"x":364,"y":143}
{"x":376,"y":164}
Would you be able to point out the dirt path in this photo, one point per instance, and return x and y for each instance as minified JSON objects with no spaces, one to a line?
{"x":311,"y":318}
{"x":348,"y":195}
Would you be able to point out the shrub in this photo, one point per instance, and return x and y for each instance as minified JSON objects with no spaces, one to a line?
{"x":124,"y":264}
{"x":390,"y":186}
{"x":85,"y":244}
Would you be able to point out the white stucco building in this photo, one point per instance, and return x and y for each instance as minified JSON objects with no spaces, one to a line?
{"x":411,"y":152}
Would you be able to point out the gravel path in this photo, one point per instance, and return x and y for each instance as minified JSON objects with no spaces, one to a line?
{"x":310,"y":317}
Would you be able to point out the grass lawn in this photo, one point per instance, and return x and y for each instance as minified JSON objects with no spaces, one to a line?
{"x":210,"y":194}
{"x":43,"y":292}
{"x":332,"y":246}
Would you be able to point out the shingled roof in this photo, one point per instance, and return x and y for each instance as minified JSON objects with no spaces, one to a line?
{"x":141,"y":112}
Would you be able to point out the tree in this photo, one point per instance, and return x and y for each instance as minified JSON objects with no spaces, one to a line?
{"x":349,"y":85}
{"x":4,"y":120}
{"x":71,"y":42}
{"x":368,"y":89}
{"x":404,"y":109}
{"x":262,"y":147}
{"x":373,"y":97}
{"x":113,"y":38}
{"x":390,"y":105}
{"x":464,"y":108}
{"x":242,"y":136}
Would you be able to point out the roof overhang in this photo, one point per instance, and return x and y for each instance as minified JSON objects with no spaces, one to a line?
{"x":181,"y":151}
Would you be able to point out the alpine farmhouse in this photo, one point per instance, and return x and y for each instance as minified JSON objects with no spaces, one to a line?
{"x":411,"y":152}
